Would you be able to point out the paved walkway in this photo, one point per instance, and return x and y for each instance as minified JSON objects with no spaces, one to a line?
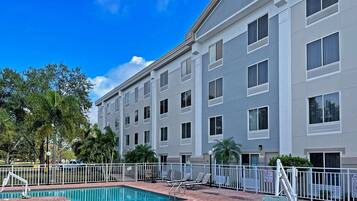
{"x":201,"y":194}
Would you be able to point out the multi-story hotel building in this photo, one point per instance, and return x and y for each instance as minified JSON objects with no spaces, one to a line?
{"x":276,"y":75}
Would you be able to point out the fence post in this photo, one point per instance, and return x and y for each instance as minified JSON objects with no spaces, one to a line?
{"x":106,"y":173}
{"x":184,"y":170}
{"x":237,"y":172}
{"x":348,"y":185}
{"x":256,"y":178}
{"x":171,"y":172}
{"x":123,"y":172}
{"x":63,"y":175}
{"x":38,"y":175}
{"x":311,"y":195}
{"x":12,"y":179}
{"x":293,"y":180}
{"x":86,"y":174}
{"x":277,"y":180}
{"x":136,"y":172}
{"x":243,"y":178}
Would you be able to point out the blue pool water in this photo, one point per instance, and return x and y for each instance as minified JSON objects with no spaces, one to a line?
{"x":120,"y":193}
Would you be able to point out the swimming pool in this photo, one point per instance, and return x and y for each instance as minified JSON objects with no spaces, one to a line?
{"x":118,"y":193}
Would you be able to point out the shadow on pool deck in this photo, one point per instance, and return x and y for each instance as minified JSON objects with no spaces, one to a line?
{"x":200,"y":194}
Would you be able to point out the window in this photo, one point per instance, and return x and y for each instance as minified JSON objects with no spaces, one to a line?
{"x":146,"y":88}
{"x":250,"y":159}
{"x":146,"y":137}
{"x":163,"y":159}
{"x":324,"y":108}
{"x":258,"y":119}
{"x":136,"y":117}
{"x":314,"y":6}
{"x":136,"y":138}
{"x":117,"y":104}
{"x":215,"y":125}
{"x":164,"y":106}
{"x":186,"y":99}
{"x":126,"y":98}
{"x":186,"y":67}
{"x":116,"y":124}
{"x":127,"y":140}
{"x":328,"y":165}
{"x":136,"y":94}
{"x":164,"y":79}
{"x":186,"y":130}
{"x":215,"y":88}
{"x":163,"y":134}
{"x":258,"y":74}
{"x":216,"y":52}
{"x":185,"y":158}
{"x":127,"y":120}
{"x":258,"y":29}
{"x":107,"y":109}
{"x":323,"y":51}
{"x":147,"y":112}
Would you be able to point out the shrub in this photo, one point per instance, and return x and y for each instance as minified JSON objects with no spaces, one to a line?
{"x":291,"y":161}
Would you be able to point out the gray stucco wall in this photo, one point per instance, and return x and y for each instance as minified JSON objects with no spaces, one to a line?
{"x":236,"y":103}
{"x":344,"y":81}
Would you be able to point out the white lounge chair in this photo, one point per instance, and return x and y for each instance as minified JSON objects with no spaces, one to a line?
{"x":186,"y":177}
{"x":204,"y":181}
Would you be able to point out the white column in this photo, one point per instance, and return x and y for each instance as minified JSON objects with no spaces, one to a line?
{"x":153,"y":110}
{"x":197,"y":66}
{"x":285,"y":95}
{"x":121,"y":124}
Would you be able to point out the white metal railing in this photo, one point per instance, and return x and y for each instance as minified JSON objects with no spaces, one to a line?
{"x":311,"y":183}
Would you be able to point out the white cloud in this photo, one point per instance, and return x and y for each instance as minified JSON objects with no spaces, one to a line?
{"x":112,"y":6}
{"x":162,"y":5}
{"x":104,"y":83}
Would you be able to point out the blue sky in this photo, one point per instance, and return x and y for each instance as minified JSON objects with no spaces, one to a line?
{"x":109,"y":39}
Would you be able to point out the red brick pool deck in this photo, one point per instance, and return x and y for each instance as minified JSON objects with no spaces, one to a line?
{"x":200,"y":194}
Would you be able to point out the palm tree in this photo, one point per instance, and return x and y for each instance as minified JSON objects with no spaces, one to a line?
{"x":227,"y":150}
{"x":141,"y":154}
{"x":55,"y":117}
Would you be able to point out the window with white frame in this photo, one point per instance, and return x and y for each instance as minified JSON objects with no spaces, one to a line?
{"x":117,"y":104}
{"x":147,"y":112}
{"x":258,"y":119}
{"x":185,"y":158}
{"x":164,"y":134}
{"x":136,"y":116}
{"x":126,"y":98}
{"x":324,"y":108}
{"x":116,"y":124}
{"x":323,"y":51}
{"x":127,"y":120}
{"x":146,"y":137}
{"x":250,"y":159}
{"x":258,"y":29}
{"x":215,"y":89}
{"x":186,"y":130}
{"x":136,"y":94}
{"x":186,"y":68}
{"x":127,"y":140}
{"x":164,"y":106}
{"x":146,"y":88}
{"x":315,"y":6}
{"x":258,"y":74}
{"x":164,"y":79}
{"x":216,"y":125}
{"x":186,"y":99}
{"x":216,"y":52}
{"x":136,"y":138}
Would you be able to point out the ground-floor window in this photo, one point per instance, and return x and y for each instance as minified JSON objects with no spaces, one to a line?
{"x":163,"y":159}
{"x":185,"y":158}
{"x":250,"y":159}
{"x":326,"y":166}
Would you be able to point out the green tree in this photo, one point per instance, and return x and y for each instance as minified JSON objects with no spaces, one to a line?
{"x":227,"y":151}
{"x":8,"y":138}
{"x":97,"y":147}
{"x":141,"y":154}
{"x":55,"y":118}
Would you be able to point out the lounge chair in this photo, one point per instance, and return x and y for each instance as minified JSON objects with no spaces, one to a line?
{"x":205,"y":181}
{"x":186,"y":177}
